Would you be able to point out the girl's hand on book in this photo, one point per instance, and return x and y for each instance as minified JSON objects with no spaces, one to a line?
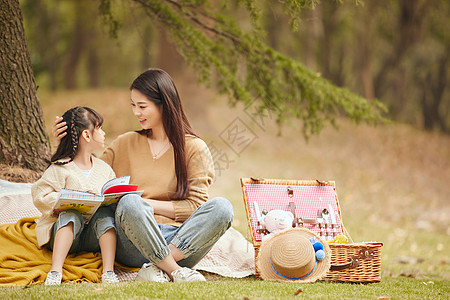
{"x":59,"y":129}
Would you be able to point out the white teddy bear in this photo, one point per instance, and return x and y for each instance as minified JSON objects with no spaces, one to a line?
{"x":275,"y":221}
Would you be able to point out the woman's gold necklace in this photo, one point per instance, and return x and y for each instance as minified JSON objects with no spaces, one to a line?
{"x":155,"y":156}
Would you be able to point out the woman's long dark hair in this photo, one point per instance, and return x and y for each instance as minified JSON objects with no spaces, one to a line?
{"x":77,"y":119}
{"x":158,"y":87}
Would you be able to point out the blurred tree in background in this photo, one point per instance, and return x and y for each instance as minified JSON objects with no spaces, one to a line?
{"x":394,"y":51}
{"x":72,"y":45}
{"x":223,"y":42}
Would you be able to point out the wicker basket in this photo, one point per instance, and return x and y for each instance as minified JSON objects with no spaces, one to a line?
{"x":350,"y":262}
{"x":358,"y":263}
{"x":355,"y":263}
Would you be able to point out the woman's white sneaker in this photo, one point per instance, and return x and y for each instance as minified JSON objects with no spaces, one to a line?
{"x":109,"y":277}
{"x":150,"y":272}
{"x":187,"y":275}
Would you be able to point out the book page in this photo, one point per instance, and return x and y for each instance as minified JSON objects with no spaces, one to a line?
{"x":116,"y":181}
{"x":115,"y":197}
{"x":86,"y":203}
{"x":74,"y":194}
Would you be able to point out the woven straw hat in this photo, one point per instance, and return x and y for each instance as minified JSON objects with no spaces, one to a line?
{"x":289,"y":256}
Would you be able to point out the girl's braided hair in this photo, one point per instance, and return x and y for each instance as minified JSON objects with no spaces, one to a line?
{"x":77,"y":120}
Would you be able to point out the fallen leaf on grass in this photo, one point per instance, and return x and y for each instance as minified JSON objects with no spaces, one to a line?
{"x":408,"y":260}
{"x":382,"y":298}
{"x":409,"y":274}
{"x":298,"y":292}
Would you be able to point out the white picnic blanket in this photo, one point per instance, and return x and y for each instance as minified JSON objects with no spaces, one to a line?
{"x":231,"y":256}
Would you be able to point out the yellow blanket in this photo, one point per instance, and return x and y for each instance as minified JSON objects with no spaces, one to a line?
{"x":22,"y":262}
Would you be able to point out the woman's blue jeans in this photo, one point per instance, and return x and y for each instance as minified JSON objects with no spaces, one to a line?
{"x":140,"y":239}
{"x":85,"y":238}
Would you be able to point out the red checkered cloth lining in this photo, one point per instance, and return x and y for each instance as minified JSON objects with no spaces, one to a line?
{"x":307,"y":199}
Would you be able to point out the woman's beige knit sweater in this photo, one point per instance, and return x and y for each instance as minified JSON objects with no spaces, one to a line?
{"x":130,"y":154}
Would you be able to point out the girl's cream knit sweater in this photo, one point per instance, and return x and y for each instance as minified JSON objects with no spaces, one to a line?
{"x":45,"y":190}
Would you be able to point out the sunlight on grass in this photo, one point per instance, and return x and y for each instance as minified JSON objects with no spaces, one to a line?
{"x":394,"y":288}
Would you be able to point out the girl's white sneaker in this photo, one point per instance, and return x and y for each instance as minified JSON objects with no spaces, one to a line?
{"x":53,"y":278}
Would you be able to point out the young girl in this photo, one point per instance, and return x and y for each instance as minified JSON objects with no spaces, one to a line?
{"x":74,"y":167}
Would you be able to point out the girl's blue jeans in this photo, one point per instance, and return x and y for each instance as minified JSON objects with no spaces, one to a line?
{"x":85,"y":238}
{"x":140,"y":239}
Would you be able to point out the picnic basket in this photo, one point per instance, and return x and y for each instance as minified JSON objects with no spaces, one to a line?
{"x":353,"y":262}
{"x":360,"y":262}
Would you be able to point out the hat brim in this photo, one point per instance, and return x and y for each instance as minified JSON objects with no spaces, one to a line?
{"x":268,"y":273}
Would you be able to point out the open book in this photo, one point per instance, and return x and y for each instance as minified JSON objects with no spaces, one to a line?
{"x":88,"y":203}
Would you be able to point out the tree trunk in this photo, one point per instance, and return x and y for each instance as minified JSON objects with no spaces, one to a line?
{"x":433,"y":94}
{"x":312,"y":34}
{"x":408,"y":32}
{"x":23,"y":140}
{"x":146,"y":47}
{"x":76,"y":46}
{"x":329,"y":23}
{"x":168,"y":57}
{"x":47,"y":32}
{"x":93,"y":67}
{"x":83,"y":29}
{"x":363,"y":56}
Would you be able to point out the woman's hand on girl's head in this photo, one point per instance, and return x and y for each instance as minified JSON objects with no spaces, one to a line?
{"x":59,"y":129}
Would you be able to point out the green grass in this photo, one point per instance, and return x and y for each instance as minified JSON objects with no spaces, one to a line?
{"x":394,"y":288}
{"x":392,"y":182}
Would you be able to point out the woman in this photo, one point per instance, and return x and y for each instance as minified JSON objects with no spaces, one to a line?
{"x":173,"y":225}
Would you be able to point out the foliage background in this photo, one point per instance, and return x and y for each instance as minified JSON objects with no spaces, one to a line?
{"x":394,"y":51}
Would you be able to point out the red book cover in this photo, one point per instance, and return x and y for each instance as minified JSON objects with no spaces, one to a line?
{"x":121,"y":189}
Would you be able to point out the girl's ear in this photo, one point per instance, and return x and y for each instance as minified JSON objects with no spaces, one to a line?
{"x":86,"y":135}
